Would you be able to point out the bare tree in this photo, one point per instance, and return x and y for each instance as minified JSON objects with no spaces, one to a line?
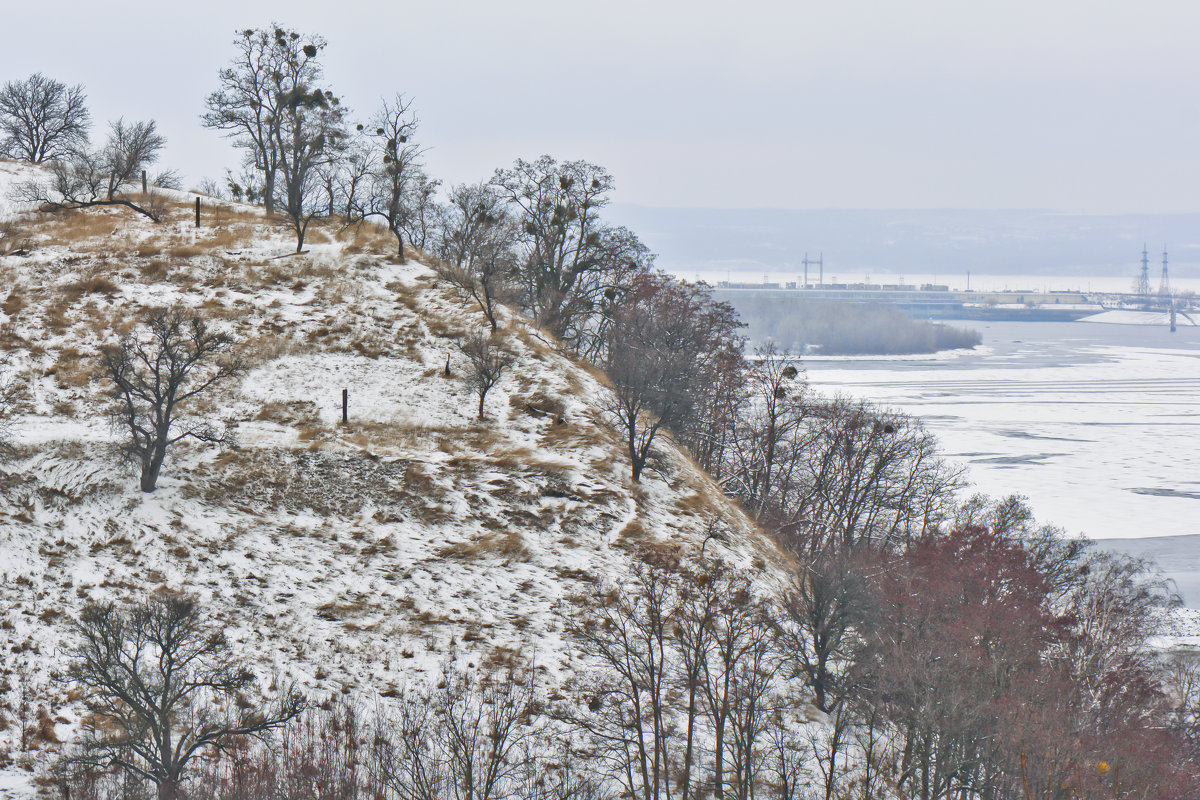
{"x":570,"y":258}
{"x":271,"y":64}
{"x":488,"y":360}
{"x":868,"y":475}
{"x":665,"y":340}
{"x":348,"y":178}
{"x":420,"y":222}
{"x":310,"y":137}
{"x":154,"y":674}
{"x":8,"y":399}
{"x":476,"y":244}
{"x":770,"y":436}
{"x":102,"y":178}
{"x":629,"y":705}
{"x":396,"y":166}
{"x":42,"y":119}
{"x":157,"y":373}
{"x":820,"y":623}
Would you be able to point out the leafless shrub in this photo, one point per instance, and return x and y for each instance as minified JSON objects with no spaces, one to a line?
{"x":488,"y":359}
{"x":8,"y":401}
{"x":14,"y":238}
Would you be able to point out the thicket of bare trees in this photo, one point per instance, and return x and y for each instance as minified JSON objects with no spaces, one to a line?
{"x":159,"y":372}
{"x":483,"y":737}
{"x":105,"y":177}
{"x":957,"y":674}
{"x":42,"y":119}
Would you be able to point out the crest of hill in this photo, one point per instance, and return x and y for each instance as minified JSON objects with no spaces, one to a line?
{"x":349,"y":558}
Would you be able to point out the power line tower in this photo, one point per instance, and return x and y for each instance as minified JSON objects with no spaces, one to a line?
{"x":1164,"y":284}
{"x":820,"y":263}
{"x":1141,"y":287}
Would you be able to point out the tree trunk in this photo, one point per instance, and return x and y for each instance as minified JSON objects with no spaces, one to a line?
{"x":300,"y":231}
{"x":482,"y":395}
{"x":269,"y":191}
{"x":151,"y":468}
{"x":399,"y":244}
{"x":167,"y":789}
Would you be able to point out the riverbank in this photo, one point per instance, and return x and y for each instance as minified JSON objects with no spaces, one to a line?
{"x":1095,"y":423}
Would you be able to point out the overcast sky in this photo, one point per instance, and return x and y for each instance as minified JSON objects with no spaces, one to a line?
{"x":1074,"y":105}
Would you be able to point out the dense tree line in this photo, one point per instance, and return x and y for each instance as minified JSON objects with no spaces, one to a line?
{"x":991,"y":660}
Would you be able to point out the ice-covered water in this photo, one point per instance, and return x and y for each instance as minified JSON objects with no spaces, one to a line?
{"x":1096,"y":424}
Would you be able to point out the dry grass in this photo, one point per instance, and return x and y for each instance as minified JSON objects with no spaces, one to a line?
{"x":296,"y":412}
{"x":267,"y":347}
{"x":79,"y":227}
{"x":634,"y":536}
{"x":92,"y":281}
{"x":697,"y":503}
{"x":568,"y":437}
{"x":508,"y":544}
{"x":186,"y":251}
{"x":401,"y":435}
{"x":15,"y":303}
{"x":154,"y":270}
{"x":74,"y":369}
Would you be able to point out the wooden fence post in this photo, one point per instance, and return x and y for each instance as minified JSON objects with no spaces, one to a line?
{"x":345,"y":406}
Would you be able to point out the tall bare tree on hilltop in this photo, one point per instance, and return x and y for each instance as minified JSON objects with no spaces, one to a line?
{"x":397,"y":166}
{"x":271,"y":64}
{"x":42,"y":119}
{"x":310,"y":137}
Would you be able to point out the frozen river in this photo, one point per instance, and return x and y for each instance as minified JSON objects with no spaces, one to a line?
{"x":1097,"y":425}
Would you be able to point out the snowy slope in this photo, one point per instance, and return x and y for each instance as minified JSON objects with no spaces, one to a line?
{"x":346,"y":558}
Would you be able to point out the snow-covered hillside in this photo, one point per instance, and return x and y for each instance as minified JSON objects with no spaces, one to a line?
{"x":346,"y":558}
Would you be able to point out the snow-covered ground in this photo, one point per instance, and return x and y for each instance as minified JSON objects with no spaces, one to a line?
{"x":345,"y":558}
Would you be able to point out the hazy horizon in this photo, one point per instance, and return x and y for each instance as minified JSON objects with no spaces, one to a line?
{"x":1069,"y":106}
{"x":943,"y":244}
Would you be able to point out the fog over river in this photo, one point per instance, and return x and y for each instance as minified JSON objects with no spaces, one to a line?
{"x":1096,"y":424}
